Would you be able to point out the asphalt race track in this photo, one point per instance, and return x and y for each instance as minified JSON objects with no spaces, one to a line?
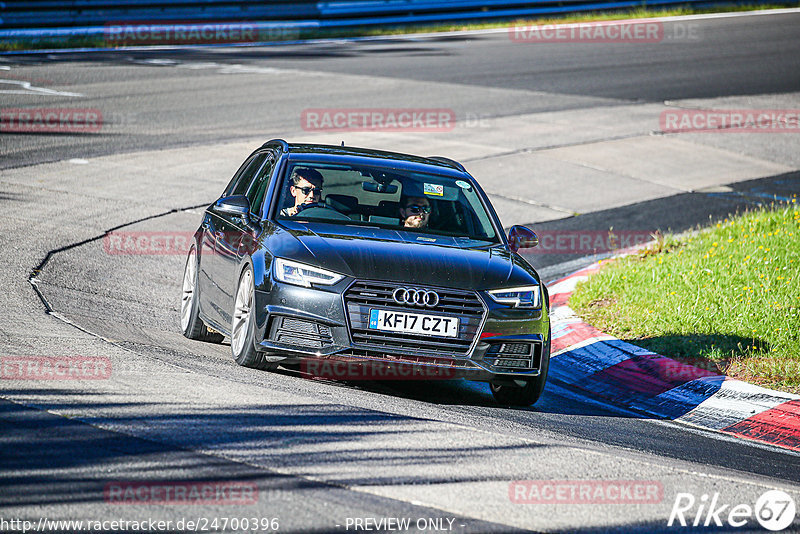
{"x":565,"y":137}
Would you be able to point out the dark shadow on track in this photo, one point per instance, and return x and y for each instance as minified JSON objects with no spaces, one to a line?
{"x":320,"y":50}
{"x":68,"y":462}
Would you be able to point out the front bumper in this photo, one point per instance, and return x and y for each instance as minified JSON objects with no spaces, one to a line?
{"x":297,"y":324}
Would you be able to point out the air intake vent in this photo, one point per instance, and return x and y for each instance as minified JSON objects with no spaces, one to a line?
{"x":511,"y":357}
{"x":291,"y":331}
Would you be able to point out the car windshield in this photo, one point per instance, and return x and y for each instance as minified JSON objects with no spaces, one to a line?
{"x":388,"y":198}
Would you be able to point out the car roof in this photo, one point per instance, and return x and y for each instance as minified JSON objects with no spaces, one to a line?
{"x":367,"y":156}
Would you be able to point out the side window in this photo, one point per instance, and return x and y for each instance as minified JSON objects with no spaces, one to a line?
{"x":246,"y":175}
{"x":260,"y":185}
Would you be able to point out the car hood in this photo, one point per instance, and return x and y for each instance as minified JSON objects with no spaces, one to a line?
{"x":381,"y":254}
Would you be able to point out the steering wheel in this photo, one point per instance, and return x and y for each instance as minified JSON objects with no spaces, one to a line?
{"x":308,"y":210}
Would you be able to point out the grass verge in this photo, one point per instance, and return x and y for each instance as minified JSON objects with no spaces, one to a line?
{"x":726,"y":299}
{"x":374,"y":31}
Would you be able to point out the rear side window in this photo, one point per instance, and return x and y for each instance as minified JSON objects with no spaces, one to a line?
{"x":260,"y":185}
{"x":240,"y":184}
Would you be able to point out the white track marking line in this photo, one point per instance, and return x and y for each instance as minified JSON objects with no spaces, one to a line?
{"x":28,"y":89}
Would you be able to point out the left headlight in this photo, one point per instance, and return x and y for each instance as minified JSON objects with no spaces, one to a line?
{"x":304,"y":275}
{"x":518,"y":297}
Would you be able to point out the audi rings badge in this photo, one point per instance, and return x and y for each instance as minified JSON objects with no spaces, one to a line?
{"x":415,"y":297}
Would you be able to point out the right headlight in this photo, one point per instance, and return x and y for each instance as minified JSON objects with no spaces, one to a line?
{"x":300,"y":274}
{"x":518,"y":297}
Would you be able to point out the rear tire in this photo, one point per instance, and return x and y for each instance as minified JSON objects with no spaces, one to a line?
{"x":193,"y":327}
{"x":529,"y":393}
{"x":243,"y":345}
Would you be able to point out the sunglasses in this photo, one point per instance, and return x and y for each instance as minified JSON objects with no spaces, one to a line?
{"x":309,"y":190}
{"x":416,"y":210}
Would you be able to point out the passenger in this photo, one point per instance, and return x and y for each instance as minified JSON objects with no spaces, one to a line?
{"x":414,"y":212}
{"x":306,"y":188}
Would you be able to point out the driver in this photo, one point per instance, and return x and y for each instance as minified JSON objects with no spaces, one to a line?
{"x":306,"y":188}
{"x":415,"y":212}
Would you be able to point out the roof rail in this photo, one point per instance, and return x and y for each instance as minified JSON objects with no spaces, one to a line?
{"x":449,"y":161}
{"x":280,"y":142}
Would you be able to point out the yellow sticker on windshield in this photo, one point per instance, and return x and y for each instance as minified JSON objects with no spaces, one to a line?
{"x":434,"y":190}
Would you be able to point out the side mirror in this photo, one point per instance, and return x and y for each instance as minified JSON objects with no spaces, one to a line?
{"x":237,"y":205}
{"x":521,"y":237}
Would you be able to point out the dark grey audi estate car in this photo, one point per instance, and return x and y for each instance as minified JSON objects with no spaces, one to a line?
{"x":334,"y":254}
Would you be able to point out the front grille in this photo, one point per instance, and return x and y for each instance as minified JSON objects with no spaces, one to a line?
{"x":514,"y":356}
{"x":363,"y":296}
{"x":300,"y":333}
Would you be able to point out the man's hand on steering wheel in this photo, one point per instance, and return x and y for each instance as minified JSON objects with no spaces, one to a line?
{"x":302,"y":207}
{"x":321,"y":205}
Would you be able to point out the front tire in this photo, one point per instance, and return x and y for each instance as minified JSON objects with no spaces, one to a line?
{"x":527,"y":394}
{"x":243,"y":345}
{"x":193,"y":327}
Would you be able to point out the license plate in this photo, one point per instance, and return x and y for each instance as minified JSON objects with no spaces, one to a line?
{"x":413,"y":323}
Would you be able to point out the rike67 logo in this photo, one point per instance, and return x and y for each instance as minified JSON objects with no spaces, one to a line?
{"x":774,"y":510}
